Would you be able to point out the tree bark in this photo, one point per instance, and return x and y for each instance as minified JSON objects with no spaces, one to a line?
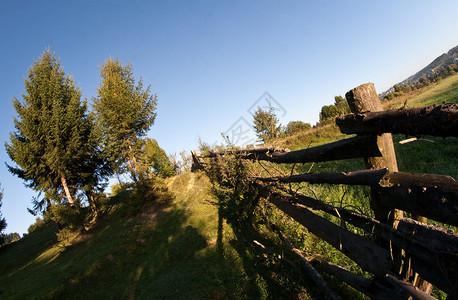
{"x":132,"y":162}
{"x":434,"y":120}
{"x":355,"y":147}
{"x":366,"y":254}
{"x":308,"y":268}
{"x":67,"y":191}
{"x":90,"y":198}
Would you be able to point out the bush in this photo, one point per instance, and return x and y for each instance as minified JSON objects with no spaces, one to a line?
{"x":68,"y":216}
{"x":237,"y":196}
{"x":39,"y":223}
{"x":146,"y":191}
{"x":295,"y":127}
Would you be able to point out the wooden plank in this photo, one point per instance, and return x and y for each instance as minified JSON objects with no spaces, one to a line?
{"x":381,"y":177}
{"x":367,"y":286}
{"x":367,"y":255}
{"x":364,"y":177}
{"x":405,"y":288}
{"x":423,"y":243}
{"x":197,"y":161}
{"x":356,"y":147}
{"x":440,"y":268}
{"x":308,"y":267}
{"x":390,"y":287}
{"x":428,"y":202}
{"x":441,"y":120}
{"x":443,"y":183}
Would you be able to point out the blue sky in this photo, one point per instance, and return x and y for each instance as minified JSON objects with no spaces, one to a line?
{"x":210,"y":61}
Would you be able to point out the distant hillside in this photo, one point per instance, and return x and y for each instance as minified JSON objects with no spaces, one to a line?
{"x":451,"y":57}
{"x":435,"y":68}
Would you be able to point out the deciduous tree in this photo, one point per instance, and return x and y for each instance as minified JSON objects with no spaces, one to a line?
{"x":266,"y":124}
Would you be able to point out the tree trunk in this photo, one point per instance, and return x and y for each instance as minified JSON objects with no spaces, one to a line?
{"x":133,"y":165}
{"x":90,"y":198}
{"x":67,"y":191}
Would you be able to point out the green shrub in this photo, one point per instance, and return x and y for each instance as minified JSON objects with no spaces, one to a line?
{"x":39,"y":223}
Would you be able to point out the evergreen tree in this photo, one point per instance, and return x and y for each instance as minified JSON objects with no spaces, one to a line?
{"x":125,"y":112}
{"x":266,"y":124}
{"x":155,"y":160}
{"x":51,"y":145}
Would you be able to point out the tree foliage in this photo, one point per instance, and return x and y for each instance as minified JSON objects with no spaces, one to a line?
{"x":155,"y":160}
{"x":50,"y":144}
{"x":295,"y":127}
{"x":125,"y":111}
{"x":55,"y":145}
{"x":266,"y":124}
{"x":339,"y":107}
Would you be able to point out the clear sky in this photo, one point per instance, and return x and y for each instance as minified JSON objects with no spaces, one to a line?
{"x":210,"y":61}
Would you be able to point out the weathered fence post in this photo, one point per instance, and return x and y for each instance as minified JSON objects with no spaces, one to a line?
{"x":363,"y":99}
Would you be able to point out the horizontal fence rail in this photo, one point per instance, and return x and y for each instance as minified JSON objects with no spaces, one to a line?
{"x":356,"y":147}
{"x":429,"y":252}
{"x":439,"y":120}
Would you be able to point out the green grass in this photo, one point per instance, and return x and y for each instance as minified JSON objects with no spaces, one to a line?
{"x":183,"y":249}
{"x":444,"y":91}
{"x":169,"y":251}
{"x":176,"y":250}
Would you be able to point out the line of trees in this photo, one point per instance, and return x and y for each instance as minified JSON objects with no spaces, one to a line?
{"x":67,"y":151}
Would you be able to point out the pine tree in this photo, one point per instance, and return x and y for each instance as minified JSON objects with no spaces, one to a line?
{"x":155,"y":160}
{"x":125,"y":112}
{"x":52,"y":142}
{"x":266,"y":124}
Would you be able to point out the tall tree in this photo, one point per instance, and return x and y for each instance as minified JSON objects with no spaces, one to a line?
{"x":50,"y":144}
{"x":266,"y":124}
{"x":125,"y":112}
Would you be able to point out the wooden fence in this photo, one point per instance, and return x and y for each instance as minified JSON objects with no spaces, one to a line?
{"x":409,"y":255}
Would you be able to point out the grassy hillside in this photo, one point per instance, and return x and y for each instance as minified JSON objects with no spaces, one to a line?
{"x":178,"y":246}
{"x":444,"y":91}
{"x":168,"y":251}
{"x":174,"y":249}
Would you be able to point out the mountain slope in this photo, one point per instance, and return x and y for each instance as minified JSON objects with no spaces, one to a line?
{"x":441,"y":62}
{"x":437,"y":66}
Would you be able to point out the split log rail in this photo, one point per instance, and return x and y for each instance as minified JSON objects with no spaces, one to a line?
{"x":408,"y":249}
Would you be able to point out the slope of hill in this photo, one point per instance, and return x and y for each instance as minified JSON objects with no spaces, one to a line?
{"x":434,"y":68}
{"x":177,"y":249}
{"x":178,"y":246}
{"x":441,"y":62}
{"x":168,"y":251}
